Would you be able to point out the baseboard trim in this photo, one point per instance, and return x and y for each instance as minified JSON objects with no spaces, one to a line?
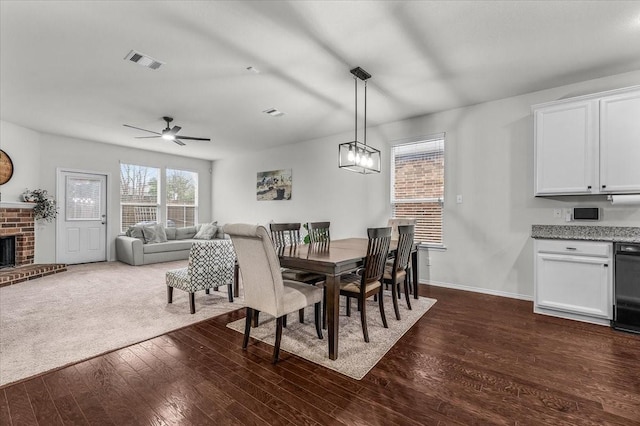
{"x":480,"y":290}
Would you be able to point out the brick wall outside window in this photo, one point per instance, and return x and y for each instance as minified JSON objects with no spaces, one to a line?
{"x":419,"y":188}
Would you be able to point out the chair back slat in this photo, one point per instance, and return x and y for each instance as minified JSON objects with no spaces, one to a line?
{"x":377,"y":251}
{"x":318,"y":232}
{"x":405,"y":243}
{"x":259,"y":266}
{"x":284,"y":234}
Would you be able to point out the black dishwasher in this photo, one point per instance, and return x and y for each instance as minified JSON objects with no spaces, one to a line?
{"x":626,"y":314}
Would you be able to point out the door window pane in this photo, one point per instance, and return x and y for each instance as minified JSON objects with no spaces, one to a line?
{"x":83,"y":198}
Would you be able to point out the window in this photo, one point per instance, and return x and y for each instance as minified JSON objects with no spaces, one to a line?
{"x":139,"y":200}
{"x":417,"y":186}
{"x":182,"y":199}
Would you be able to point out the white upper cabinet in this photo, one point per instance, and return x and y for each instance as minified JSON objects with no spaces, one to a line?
{"x":620,"y":143}
{"x":588,"y":145}
{"x":566,"y":137}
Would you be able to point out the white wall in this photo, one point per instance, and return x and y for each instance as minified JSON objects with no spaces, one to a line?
{"x":37,"y":156}
{"x":352,"y":202}
{"x":489,"y":161}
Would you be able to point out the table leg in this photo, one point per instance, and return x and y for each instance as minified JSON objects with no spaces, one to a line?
{"x":414,"y":270}
{"x":333,"y":309}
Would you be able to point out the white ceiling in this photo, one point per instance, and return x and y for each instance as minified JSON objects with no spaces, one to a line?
{"x":62,"y":67}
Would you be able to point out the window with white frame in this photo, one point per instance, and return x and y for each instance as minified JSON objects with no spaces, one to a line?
{"x":182,"y":198}
{"x":139,"y":195}
{"x":417,"y":186}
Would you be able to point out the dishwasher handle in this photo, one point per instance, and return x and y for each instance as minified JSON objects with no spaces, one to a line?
{"x":628,"y":249}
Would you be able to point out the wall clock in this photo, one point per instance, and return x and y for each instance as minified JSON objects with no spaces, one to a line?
{"x":6,"y":167}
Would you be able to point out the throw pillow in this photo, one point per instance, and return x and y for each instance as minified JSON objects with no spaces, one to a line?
{"x":154,"y":234}
{"x":207,"y":232}
{"x":135,"y":232}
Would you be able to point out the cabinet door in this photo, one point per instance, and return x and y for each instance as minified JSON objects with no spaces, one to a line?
{"x":565,"y":148}
{"x":620,"y":143}
{"x":577,"y":284}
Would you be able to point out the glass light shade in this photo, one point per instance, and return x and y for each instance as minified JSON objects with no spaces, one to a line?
{"x":365,"y":161}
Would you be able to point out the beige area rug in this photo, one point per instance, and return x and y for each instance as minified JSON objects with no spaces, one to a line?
{"x":91,"y":309}
{"x":355,"y":356}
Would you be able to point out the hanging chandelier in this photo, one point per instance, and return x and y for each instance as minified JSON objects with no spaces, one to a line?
{"x":358,"y":156}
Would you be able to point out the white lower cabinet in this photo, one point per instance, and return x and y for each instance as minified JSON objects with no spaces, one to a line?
{"x":573,"y":279}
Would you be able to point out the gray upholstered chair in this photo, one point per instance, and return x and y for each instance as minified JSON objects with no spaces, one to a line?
{"x":211,"y":265}
{"x":264,"y":288}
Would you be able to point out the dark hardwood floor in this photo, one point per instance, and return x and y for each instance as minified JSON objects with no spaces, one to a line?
{"x":472,"y":359}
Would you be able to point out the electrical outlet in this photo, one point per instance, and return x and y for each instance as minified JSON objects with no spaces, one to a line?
{"x":557,"y":213}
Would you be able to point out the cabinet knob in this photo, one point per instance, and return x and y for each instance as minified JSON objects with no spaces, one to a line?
{"x":606,"y":265}
{"x":589,"y":187}
{"x":604,"y":186}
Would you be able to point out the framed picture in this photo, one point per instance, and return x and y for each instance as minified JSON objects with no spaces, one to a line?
{"x":274,"y":185}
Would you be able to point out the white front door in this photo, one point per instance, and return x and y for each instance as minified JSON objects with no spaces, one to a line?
{"x":82,"y":218}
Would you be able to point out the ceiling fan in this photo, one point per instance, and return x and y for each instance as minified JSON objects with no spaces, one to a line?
{"x":170,"y":133}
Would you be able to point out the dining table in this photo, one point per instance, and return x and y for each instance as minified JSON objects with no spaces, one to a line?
{"x":332,"y":259}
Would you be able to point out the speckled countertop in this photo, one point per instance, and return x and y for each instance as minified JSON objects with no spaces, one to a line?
{"x":622,"y":234}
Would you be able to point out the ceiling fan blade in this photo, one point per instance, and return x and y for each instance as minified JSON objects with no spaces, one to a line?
{"x":173,"y":131}
{"x":194,"y":139}
{"x":179,"y":142}
{"x":146,"y":137}
{"x":144,"y":130}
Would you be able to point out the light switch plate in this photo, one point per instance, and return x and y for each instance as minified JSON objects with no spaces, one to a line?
{"x":459,"y":199}
{"x":557,"y":213}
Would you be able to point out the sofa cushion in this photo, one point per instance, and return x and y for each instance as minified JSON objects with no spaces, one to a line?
{"x":154,"y":234}
{"x":171,"y":233}
{"x":176,"y":245}
{"x":207,"y":232}
{"x":186,"y":233}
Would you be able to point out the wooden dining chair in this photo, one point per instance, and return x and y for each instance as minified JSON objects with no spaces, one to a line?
{"x":396,"y":273}
{"x":394,"y":223}
{"x":318,"y":232}
{"x":264,"y":288}
{"x":369,"y":281}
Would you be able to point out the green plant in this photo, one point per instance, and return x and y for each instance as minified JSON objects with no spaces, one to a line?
{"x":45,"y":208}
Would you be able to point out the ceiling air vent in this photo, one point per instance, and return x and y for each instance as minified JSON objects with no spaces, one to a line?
{"x":144,"y":60}
{"x":273,"y":112}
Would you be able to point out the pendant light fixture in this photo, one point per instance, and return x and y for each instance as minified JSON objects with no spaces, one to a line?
{"x":358,"y":156}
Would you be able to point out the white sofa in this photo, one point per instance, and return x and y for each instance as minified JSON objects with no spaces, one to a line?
{"x":136,"y":248}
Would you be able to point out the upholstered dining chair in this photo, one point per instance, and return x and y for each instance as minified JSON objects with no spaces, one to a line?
{"x":368,"y":281}
{"x":396,"y":273}
{"x":264,"y":288}
{"x":288,"y":234}
{"x":211,"y":265}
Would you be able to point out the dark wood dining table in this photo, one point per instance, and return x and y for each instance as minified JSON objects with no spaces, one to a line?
{"x":333,"y":259}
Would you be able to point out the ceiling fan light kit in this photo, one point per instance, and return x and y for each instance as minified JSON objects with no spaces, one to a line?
{"x":169,"y":133}
{"x":357,"y":156}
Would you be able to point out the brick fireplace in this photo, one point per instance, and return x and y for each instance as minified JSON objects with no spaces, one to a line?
{"x":19,"y":222}
{"x":16,"y":219}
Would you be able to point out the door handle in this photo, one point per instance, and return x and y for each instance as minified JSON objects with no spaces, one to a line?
{"x":104,"y":219}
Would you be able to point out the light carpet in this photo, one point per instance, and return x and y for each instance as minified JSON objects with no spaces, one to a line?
{"x":91,"y":309}
{"x":355,"y":356}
